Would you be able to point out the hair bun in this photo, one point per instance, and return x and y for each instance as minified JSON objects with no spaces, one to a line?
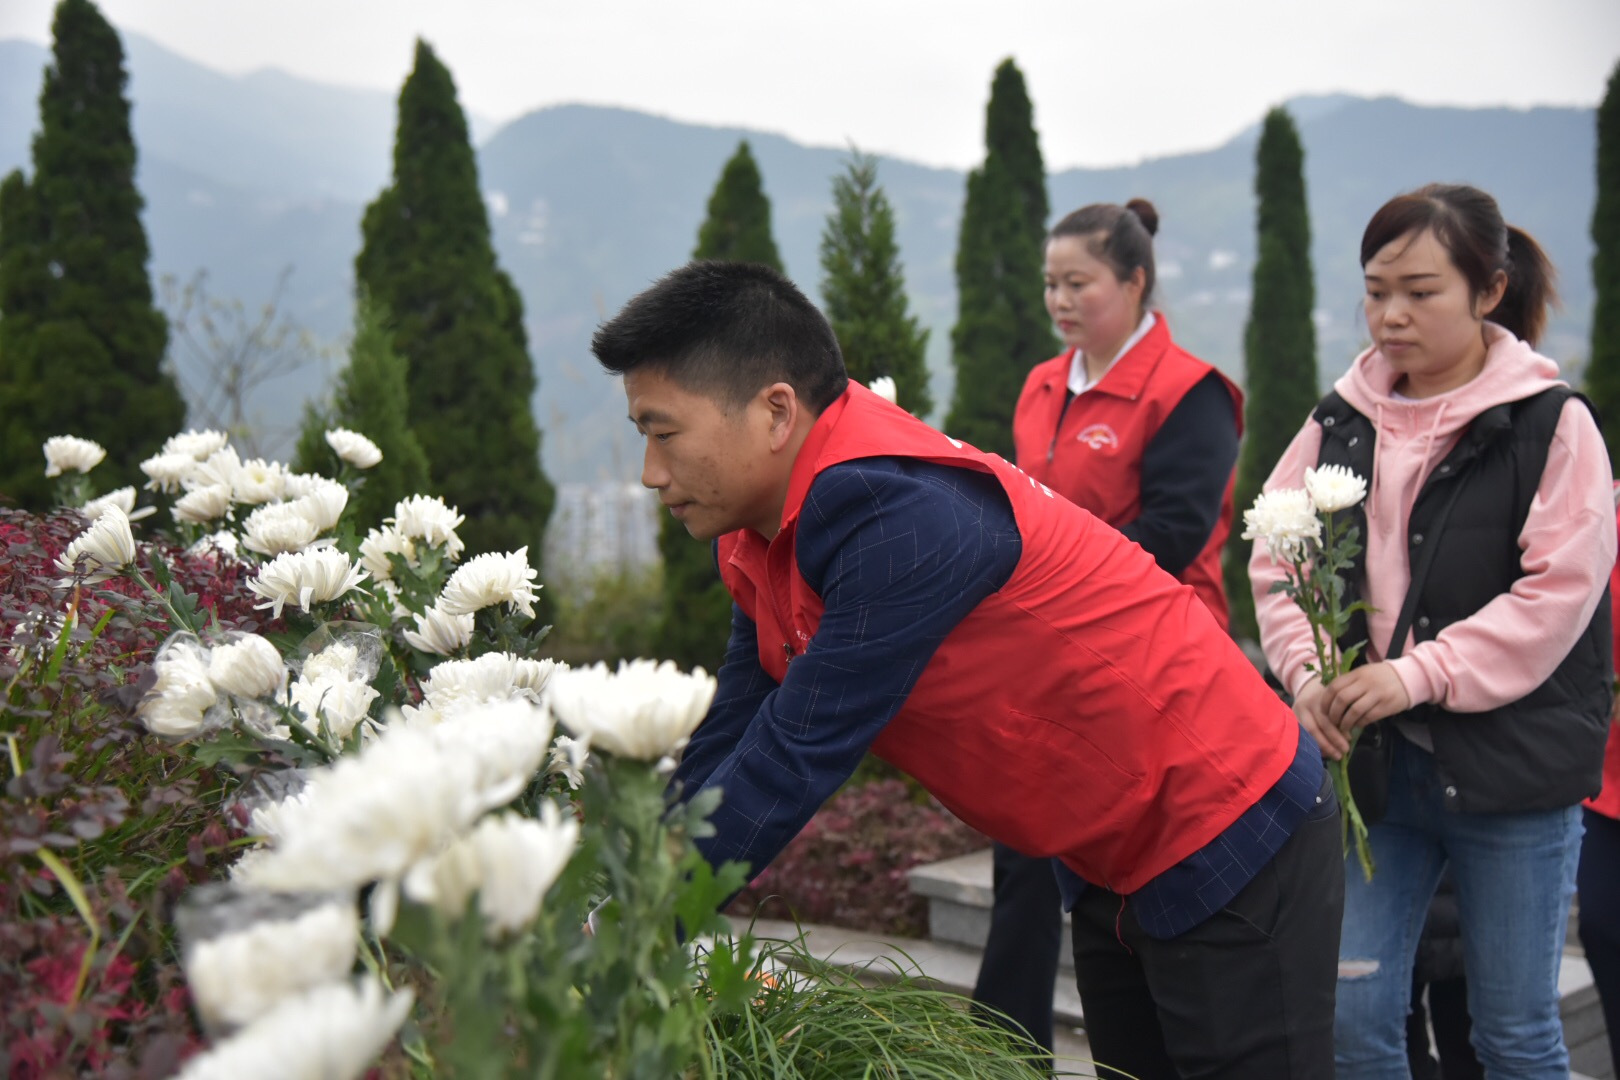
{"x":1144,"y":210}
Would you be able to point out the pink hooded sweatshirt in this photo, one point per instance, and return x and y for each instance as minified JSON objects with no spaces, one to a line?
{"x":1512,"y":644}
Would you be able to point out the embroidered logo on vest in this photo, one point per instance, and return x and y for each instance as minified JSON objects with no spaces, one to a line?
{"x":1099,"y":437}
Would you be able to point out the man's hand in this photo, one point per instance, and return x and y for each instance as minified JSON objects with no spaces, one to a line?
{"x":1311,"y":708}
{"x":1364,"y":696}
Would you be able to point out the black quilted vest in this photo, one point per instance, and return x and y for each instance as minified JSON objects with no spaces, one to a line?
{"x":1545,"y":750}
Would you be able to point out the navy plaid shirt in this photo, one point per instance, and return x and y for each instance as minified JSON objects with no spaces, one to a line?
{"x":900,"y":551}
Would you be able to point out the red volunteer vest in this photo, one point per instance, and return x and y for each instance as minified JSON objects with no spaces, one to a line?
{"x":1092,"y":709}
{"x":1095,"y":458}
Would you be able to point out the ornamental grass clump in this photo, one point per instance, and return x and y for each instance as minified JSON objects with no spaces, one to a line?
{"x":1315,"y":549}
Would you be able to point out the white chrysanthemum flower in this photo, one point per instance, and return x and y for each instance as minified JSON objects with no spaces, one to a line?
{"x":198,"y":445}
{"x":123,"y":498}
{"x":235,"y":978}
{"x":69,"y":453}
{"x":567,"y":760}
{"x":489,"y":580}
{"x":339,"y":660}
{"x":215,"y":545}
{"x":1286,"y":520}
{"x":353,"y":447}
{"x":508,"y":860}
{"x":203,"y":504}
{"x":178,"y":703}
{"x":405,"y":796}
{"x":106,"y":547}
{"x":381,"y":543}
{"x":248,"y":666}
{"x":277,"y":528}
{"x":322,"y":504}
{"x":883,"y":387}
{"x":259,"y":481}
{"x":220,"y":467}
{"x":440,"y":634}
{"x":331,"y":1032}
{"x":428,"y":519}
{"x":1334,"y":488}
{"x":496,"y":676}
{"x":645,"y":710}
{"x":304,"y":578}
{"x":341,"y":703}
{"x":168,"y":472}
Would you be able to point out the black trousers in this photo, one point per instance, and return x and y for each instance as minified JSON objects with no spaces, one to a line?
{"x":1247,"y":993}
{"x":1020,"y":964}
{"x":1597,"y":882}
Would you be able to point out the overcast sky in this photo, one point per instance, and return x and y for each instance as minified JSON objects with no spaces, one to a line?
{"x":1112,"y":82}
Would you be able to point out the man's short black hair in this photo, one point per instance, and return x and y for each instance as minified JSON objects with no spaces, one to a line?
{"x":726,"y":329}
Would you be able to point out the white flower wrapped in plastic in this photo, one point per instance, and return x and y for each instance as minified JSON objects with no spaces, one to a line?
{"x":489,"y":580}
{"x":204,"y":504}
{"x":1334,"y":487}
{"x":427,"y":518}
{"x":105,"y":548}
{"x":278,"y":528}
{"x":197,"y":445}
{"x":440,"y":634}
{"x":304,"y":578}
{"x":240,"y":974}
{"x":248,"y":666}
{"x":645,"y":710}
{"x":883,"y":387}
{"x":69,"y":453}
{"x":1286,"y":520}
{"x":180,"y":700}
{"x":334,"y":685}
{"x":353,"y":447}
{"x":508,"y":860}
{"x":332,"y":1032}
{"x":168,"y":472}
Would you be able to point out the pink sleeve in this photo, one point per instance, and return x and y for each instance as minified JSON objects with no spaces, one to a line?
{"x":1284,"y":634}
{"x":1512,"y":644}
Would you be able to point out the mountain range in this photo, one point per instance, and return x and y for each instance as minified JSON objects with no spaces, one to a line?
{"x":247,"y":176}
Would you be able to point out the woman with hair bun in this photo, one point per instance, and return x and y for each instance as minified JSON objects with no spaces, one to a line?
{"x":1133,"y":428}
{"x":1489,"y":531}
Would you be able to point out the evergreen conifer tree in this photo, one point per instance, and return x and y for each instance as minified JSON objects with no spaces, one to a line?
{"x":864,"y":290}
{"x":1279,"y":342}
{"x":457,"y":322}
{"x":1002,"y":329}
{"x":697,"y":609}
{"x":81,"y":344}
{"x":369,"y":397}
{"x":1603,"y":366}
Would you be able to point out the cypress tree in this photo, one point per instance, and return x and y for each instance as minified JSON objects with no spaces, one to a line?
{"x":457,"y":322}
{"x":697,"y":609}
{"x":81,"y":344}
{"x":1603,"y":367}
{"x":370,"y":397}
{"x":1279,"y":342}
{"x":1002,"y":329}
{"x":863,"y":289}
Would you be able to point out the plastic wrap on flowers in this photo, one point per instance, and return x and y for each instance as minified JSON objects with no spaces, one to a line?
{"x":183,"y":701}
{"x":336,"y":666}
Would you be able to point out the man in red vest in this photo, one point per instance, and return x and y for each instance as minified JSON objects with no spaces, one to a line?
{"x":899,"y":591}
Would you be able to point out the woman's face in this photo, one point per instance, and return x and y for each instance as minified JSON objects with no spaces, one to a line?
{"x":1424,"y":317}
{"x":1093,"y":310}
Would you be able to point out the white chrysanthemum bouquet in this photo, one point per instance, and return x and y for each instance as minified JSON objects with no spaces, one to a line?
{"x":1315,"y":546}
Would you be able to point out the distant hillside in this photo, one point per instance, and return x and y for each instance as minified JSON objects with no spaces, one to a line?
{"x":246,"y":175}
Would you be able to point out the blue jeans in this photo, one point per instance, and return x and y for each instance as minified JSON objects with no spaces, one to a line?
{"x":1515,"y":874}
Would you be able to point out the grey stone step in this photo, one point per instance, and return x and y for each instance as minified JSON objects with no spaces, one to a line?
{"x":960,"y":895}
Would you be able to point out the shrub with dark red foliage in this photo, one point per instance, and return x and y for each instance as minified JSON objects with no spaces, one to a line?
{"x":132,"y":821}
{"x":848,"y":867}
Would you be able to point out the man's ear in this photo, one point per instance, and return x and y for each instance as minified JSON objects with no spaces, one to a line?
{"x":785,"y":412}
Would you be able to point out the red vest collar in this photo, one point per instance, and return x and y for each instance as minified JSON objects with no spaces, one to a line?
{"x":805,"y":464}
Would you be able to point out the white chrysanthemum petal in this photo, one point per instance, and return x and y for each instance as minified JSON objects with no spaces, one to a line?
{"x":341,"y":703}
{"x":220,"y":467}
{"x":168,"y":472}
{"x":178,"y":703}
{"x":439,"y":633}
{"x":1334,"y":487}
{"x":303,"y":578}
{"x":353,"y":447}
{"x":215,"y":545}
{"x":883,"y":387}
{"x":248,"y":666}
{"x":1286,"y":520}
{"x":259,"y":481}
{"x":323,"y":503}
{"x":277,"y":528}
{"x":492,"y":579}
{"x":69,"y":453}
{"x":332,"y":1032}
{"x":123,"y":498}
{"x":645,"y":710}
{"x":381,"y":543}
{"x":197,"y":445}
{"x":236,"y":978}
{"x":508,"y":860}
{"x":427,"y":518}
{"x":106,"y":547}
{"x":203,"y":504}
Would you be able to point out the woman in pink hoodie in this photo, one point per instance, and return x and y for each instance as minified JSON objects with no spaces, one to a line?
{"x":1488,"y":482}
